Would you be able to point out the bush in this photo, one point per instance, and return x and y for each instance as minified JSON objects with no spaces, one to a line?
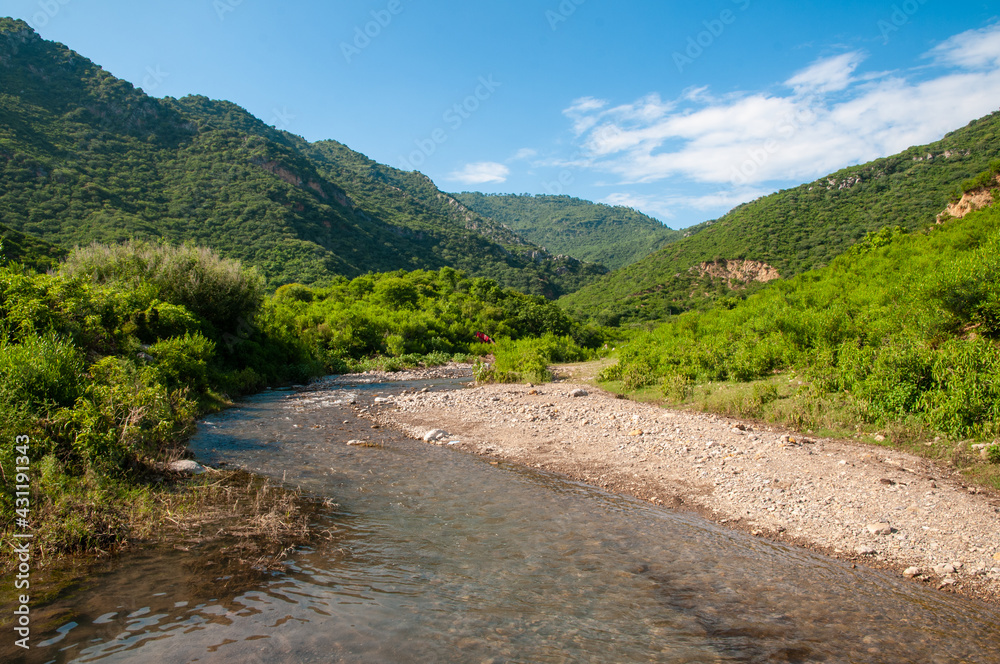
{"x":40,"y":371}
{"x":218,"y":290}
{"x":184,"y":361}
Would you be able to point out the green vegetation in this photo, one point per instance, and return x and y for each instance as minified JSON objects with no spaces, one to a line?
{"x":528,"y":360}
{"x":28,"y":250}
{"x":610,"y":235}
{"x":985,"y":180}
{"x":105,"y":363}
{"x":795,"y":230}
{"x":400,"y":318}
{"x":901,"y":332}
{"x":85,"y":157}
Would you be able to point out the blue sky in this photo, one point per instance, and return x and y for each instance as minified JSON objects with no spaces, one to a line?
{"x":681,"y":110}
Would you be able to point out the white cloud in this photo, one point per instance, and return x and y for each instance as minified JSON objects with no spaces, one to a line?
{"x":830,"y":119}
{"x":666,"y":206}
{"x":483,"y":172}
{"x":524,"y":153}
{"x":970,"y":49}
{"x":581,"y":112}
{"x":829,"y":75}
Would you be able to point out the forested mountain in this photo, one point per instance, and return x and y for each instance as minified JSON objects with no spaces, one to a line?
{"x":793,"y":230}
{"x":28,"y":250}
{"x":614,"y":236}
{"x":87,"y":157}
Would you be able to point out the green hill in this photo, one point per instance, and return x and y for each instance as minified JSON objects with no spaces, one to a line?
{"x":899,"y":332}
{"x":87,"y":157}
{"x":610,"y":235}
{"x":28,"y":250}
{"x":793,"y":230}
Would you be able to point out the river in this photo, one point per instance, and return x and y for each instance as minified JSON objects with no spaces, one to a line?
{"x":442,"y":556}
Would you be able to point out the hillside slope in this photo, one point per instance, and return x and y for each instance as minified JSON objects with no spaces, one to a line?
{"x":87,"y":157}
{"x":797,"y":229}
{"x":614,"y":236}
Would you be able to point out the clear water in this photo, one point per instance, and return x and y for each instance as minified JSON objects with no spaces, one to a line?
{"x":442,"y":557}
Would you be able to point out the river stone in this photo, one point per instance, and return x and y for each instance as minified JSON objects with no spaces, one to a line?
{"x":186,"y":466}
{"x":864,"y":551}
{"x":578,"y":393}
{"x":944,"y":569}
{"x":355,"y":442}
{"x":911,"y":572}
{"x":434,"y":434}
{"x":881,"y":528}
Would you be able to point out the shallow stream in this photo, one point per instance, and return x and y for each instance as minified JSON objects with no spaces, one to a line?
{"x":441,"y":556}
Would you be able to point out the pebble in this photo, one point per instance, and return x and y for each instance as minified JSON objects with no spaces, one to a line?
{"x":880,"y":528}
{"x":944,"y":569}
{"x":434,"y":434}
{"x":829,"y":492}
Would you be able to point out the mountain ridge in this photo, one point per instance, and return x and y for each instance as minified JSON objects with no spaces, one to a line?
{"x":796,"y":229}
{"x":88,"y":157}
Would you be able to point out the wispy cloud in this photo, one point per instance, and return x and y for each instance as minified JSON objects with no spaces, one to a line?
{"x":483,"y":172}
{"x":524,"y":153}
{"x":972,"y":49}
{"x":831,"y":117}
{"x":827,"y":75}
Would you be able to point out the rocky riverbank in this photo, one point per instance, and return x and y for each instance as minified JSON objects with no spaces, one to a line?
{"x":871,"y":505}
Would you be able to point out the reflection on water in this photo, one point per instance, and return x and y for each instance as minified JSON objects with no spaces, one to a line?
{"x":442,"y":557}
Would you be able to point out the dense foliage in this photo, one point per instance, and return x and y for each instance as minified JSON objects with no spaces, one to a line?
{"x":28,"y":250}
{"x":905,"y":326}
{"x":614,"y":236}
{"x":106,"y":362}
{"x":86,"y":157}
{"x":104,"y":365}
{"x":797,"y":229}
{"x":408,"y":315}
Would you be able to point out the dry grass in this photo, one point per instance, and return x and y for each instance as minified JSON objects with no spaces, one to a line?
{"x":251,"y":522}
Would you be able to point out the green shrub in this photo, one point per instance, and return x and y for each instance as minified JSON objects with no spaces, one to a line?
{"x":184,"y":361}
{"x":40,"y":371}
{"x":218,"y":290}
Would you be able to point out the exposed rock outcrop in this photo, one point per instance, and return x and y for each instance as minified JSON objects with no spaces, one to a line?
{"x":736,"y":271}
{"x":970,"y":202}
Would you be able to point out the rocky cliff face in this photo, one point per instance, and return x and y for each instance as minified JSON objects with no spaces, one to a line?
{"x":735,"y":272}
{"x":970,"y":202}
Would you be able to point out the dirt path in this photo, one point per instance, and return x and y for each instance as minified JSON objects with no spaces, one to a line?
{"x":870,"y":505}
